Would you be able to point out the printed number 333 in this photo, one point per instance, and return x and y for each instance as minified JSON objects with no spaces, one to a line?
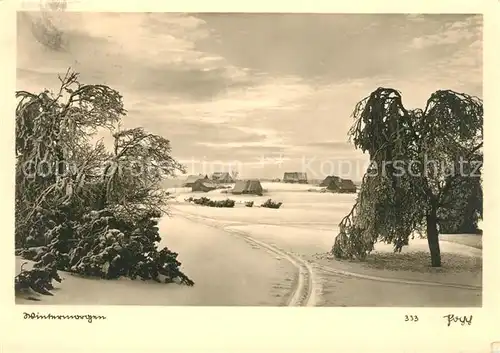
{"x":413,"y":318}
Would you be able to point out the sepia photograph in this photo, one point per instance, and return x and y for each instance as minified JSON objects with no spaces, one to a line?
{"x":248,"y":159}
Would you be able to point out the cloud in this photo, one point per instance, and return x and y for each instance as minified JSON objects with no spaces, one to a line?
{"x":335,"y":145}
{"x":268,"y":93}
{"x":255,"y":88}
{"x":461,"y":71}
{"x":468,"y":29}
{"x":144,"y":52}
{"x":416,"y":17}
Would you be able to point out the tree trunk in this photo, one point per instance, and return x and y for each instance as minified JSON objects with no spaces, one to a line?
{"x":103,"y":194}
{"x":433,"y":239}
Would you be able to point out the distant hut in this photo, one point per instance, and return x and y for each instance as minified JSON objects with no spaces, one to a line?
{"x":204,"y":185}
{"x":343,"y":186}
{"x":222,"y":178}
{"x":295,"y":177}
{"x":191,"y":179}
{"x":247,"y":187}
{"x":328,"y":180}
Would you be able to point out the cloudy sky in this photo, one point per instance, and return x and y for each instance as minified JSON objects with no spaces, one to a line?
{"x":261,"y":93}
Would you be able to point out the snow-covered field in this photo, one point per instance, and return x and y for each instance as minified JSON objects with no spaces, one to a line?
{"x":259,"y":256}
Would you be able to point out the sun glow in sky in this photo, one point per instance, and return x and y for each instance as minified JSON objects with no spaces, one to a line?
{"x":265,"y":93}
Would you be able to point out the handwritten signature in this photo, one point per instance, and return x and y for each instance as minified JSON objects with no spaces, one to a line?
{"x":463,"y":320}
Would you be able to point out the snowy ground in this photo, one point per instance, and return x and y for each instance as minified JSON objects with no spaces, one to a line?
{"x":259,"y":256}
{"x":227,"y":271}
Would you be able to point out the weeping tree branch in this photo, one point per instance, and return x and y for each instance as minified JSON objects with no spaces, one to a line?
{"x":392,"y":205}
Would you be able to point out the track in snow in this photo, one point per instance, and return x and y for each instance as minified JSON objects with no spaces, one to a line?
{"x":306,"y":288}
{"x":304,"y":293}
{"x":397,"y":280}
